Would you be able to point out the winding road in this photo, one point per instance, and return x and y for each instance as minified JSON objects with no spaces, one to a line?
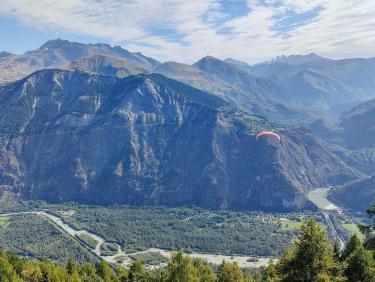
{"x":243,"y":261}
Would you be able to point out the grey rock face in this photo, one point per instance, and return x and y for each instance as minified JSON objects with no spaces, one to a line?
{"x":147,"y":139}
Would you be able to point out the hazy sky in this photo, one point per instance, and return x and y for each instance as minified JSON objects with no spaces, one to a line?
{"x":186,"y":30}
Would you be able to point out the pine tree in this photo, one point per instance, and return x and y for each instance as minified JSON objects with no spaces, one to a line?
{"x":270,"y":274}
{"x":350,"y":246}
{"x":311,"y":259}
{"x":104,"y":271}
{"x":360,"y":264}
{"x":137,"y":273}
{"x":31,"y":272}
{"x":369,"y":230}
{"x":229,"y":272}
{"x":122,"y":274}
{"x":181,"y":269}
{"x":71,"y":266}
{"x":205,"y":272}
{"x":7,"y":273}
{"x":88,"y":273}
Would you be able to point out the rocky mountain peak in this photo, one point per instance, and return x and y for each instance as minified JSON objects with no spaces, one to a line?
{"x":298,"y":59}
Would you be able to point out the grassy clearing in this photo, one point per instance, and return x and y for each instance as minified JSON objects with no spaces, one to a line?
{"x":352,"y":229}
{"x":290,"y":224}
{"x":121,"y":259}
{"x":108,"y":249}
{"x":4,"y":221}
{"x":149,"y":258}
{"x":87,"y":239}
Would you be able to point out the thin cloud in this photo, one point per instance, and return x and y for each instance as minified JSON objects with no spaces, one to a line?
{"x":187,"y":30}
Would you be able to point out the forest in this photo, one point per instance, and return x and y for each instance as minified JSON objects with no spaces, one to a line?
{"x":312,"y":257}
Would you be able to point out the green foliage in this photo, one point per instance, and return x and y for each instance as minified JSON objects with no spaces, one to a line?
{"x":108,"y":249}
{"x":7,"y":273}
{"x":87,"y":239}
{"x":137,"y":273}
{"x":3,"y":221}
{"x":192,"y":230}
{"x":149,"y":258}
{"x":181,"y":269}
{"x":205,"y":272}
{"x":34,"y":236}
{"x":359,"y":262}
{"x":369,"y":230}
{"x":290,"y":224}
{"x":105,"y":272}
{"x":71,"y":266}
{"x":350,"y":247}
{"x":311,"y":258}
{"x":229,"y":272}
{"x":352,"y":229}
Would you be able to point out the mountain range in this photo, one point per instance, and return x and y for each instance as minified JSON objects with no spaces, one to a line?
{"x":64,"y":54}
{"x":98,"y":124}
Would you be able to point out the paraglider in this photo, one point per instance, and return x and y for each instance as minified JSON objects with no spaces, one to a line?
{"x":268,"y":133}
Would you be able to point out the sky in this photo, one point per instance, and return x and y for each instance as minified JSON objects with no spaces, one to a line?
{"x":186,"y":30}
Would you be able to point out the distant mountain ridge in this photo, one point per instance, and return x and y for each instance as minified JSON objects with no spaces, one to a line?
{"x":61,"y":53}
{"x":239,"y":88}
{"x":322,"y":83}
{"x":299,"y":59}
{"x":292,"y":89}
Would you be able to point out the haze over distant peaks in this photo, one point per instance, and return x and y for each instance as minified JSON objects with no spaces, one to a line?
{"x":298,"y":59}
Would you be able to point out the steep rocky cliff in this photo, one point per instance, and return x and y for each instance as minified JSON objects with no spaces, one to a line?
{"x":147,"y":139}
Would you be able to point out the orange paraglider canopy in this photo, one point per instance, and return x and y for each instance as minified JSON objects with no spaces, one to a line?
{"x":268,"y":133}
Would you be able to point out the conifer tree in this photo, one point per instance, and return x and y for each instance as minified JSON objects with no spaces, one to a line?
{"x":204,"y":271}
{"x":350,"y":246}
{"x":369,"y":230}
{"x":359,"y":262}
{"x":7,"y":273}
{"x":137,"y":273}
{"x":229,"y":272}
{"x":181,"y":269}
{"x":311,"y":259}
{"x":104,"y":271}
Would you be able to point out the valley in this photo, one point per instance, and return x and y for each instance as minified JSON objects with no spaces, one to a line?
{"x":110,"y":155}
{"x":115,"y":234}
{"x":124,"y":258}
